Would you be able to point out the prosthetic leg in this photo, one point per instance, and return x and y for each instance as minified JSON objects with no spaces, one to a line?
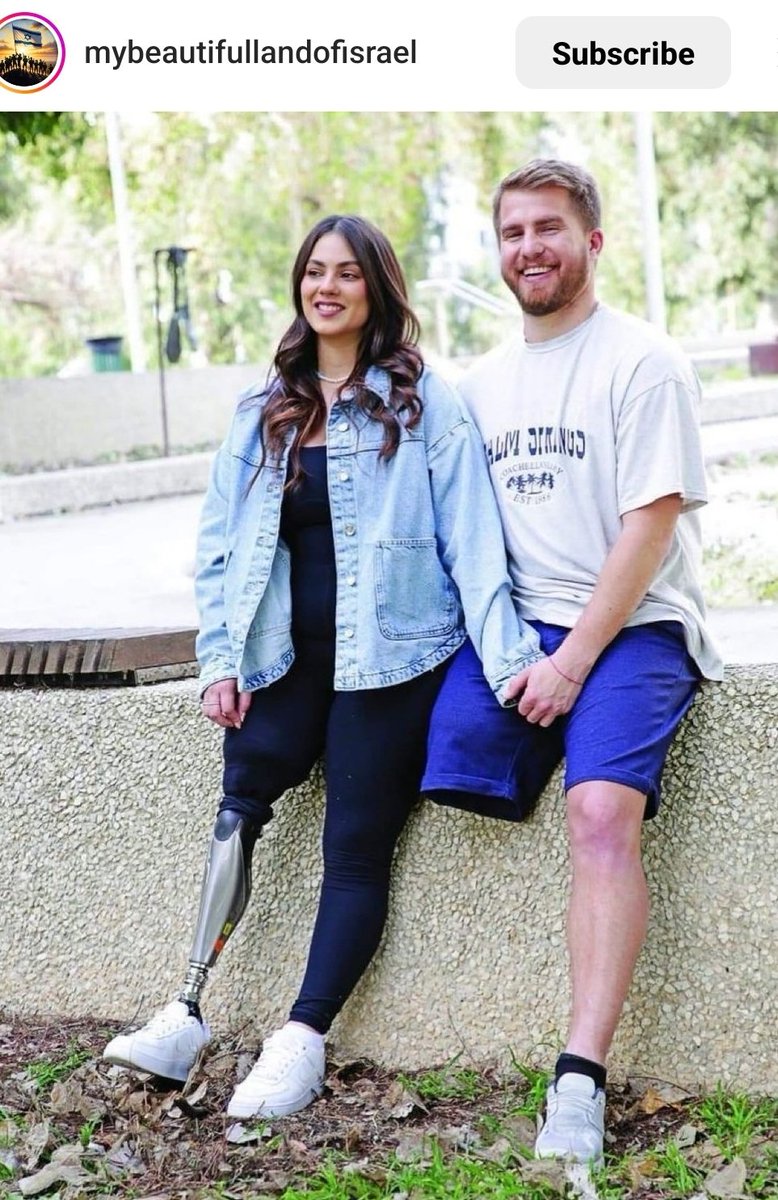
{"x":225,"y":894}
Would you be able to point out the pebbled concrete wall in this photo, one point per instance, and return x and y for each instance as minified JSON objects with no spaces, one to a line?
{"x":106,"y":807}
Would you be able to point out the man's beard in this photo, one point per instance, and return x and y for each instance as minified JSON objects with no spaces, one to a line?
{"x":567,"y":288}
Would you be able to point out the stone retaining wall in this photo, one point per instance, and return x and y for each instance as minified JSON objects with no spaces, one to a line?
{"x":107,"y":804}
{"x":46,"y":423}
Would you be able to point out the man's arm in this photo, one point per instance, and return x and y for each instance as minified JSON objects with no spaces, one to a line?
{"x":550,"y":687}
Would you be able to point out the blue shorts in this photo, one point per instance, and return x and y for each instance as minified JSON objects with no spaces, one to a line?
{"x":490,"y":760}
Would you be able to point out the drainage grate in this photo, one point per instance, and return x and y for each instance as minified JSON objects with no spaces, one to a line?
{"x":84,"y":657}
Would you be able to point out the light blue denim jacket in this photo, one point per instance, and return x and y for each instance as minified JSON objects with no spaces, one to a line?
{"x":419,"y":552}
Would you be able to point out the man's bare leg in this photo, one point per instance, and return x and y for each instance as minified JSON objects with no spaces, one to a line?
{"x":606,"y":926}
{"x":608,"y":910}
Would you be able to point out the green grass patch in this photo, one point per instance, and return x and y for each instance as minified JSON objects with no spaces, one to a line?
{"x":733,"y":1119}
{"x":437,"y":1178}
{"x":46,"y":1071}
{"x":449,"y":1082}
{"x":730,"y":577}
{"x":536,"y":1083}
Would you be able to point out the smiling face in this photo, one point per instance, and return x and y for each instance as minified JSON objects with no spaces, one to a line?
{"x":547,"y":256}
{"x":333,"y":292}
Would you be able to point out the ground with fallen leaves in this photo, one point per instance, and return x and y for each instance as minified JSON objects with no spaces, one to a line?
{"x":72,"y":1126}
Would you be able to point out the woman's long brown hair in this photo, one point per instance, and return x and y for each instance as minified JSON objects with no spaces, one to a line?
{"x":389,"y":340}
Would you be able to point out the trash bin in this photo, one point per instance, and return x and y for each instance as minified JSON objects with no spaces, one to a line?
{"x":763,"y":358}
{"x":106,"y":353}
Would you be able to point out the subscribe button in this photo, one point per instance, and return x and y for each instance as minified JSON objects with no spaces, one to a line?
{"x":623,"y":52}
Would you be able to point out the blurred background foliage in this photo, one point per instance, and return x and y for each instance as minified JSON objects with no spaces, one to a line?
{"x":242,"y":189}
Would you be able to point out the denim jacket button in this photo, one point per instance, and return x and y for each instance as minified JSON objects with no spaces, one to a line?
{"x":348,"y":633}
{"x":343,"y":476}
{"x":343,"y":427}
{"x":351,"y":580}
{"x":349,"y":530}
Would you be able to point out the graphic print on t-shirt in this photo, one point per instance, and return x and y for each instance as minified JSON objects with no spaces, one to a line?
{"x":529,"y":478}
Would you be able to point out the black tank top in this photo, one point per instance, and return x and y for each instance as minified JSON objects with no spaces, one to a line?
{"x":306,"y":527}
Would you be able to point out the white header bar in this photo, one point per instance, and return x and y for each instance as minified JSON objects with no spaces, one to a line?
{"x":402,"y":56}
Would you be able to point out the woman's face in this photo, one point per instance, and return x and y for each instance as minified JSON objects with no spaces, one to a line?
{"x":333,"y":290}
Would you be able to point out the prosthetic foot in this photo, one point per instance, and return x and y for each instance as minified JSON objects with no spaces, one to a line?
{"x":169,"y":1043}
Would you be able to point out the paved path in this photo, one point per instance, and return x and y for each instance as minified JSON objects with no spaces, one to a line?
{"x":726,"y":439}
{"x":131,"y":566}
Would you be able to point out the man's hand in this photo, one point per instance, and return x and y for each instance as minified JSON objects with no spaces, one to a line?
{"x":545,"y":693}
{"x":223,"y":704}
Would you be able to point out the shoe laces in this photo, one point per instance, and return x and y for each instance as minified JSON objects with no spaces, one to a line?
{"x":279,"y":1053}
{"x":168,"y":1019}
{"x":570,"y":1108}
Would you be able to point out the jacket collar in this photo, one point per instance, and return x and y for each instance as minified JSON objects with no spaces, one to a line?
{"x":378,"y":381}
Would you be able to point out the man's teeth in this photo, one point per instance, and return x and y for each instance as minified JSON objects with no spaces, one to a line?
{"x":535,"y":270}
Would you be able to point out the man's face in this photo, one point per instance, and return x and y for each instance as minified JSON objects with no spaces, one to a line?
{"x":547,"y":257}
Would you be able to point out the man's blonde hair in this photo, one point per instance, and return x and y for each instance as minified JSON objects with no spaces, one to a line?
{"x":553,"y":172}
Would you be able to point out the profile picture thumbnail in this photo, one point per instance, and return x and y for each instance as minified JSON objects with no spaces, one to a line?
{"x":32,"y":52}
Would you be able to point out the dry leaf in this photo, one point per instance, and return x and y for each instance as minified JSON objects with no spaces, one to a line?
{"x":706,"y":1156}
{"x":457,"y":1137}
{"x":239,"y":1135}
{"x":198,"y":1095}
{"x":65,"y":1167}
{"x":9,"y":1132}
{"x":729,"y":1182}
{"x":640,"y":1173}
{"x":362,"y":1167}
{"x":653,"y":1102}
{"x":401,"y":1101}
{"x":498,"y":1152}
{"x":66,"y":1096}
{"x":686,"y":1136}
{"x":300,"y":1151}
{"x":412,"y":1146}
{"x":669,"y":1092}
{"x":36,"y":1142}
{"x":8,"y":1160}
{"x":352,"y":1138}
{"x":545,"y":1170}
{"x":123,"y":1156}
{"x":521,"y":1130}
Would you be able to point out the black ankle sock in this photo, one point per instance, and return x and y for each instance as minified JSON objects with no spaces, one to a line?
{"x":573,"y":1063}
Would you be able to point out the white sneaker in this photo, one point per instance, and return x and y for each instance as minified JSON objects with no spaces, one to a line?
{"x":167,"y":1045}
{"x":575,"y":1121}
{"x":286,"y":1077}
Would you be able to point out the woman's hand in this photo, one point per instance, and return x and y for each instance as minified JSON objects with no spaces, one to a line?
{"x":223,"y":704}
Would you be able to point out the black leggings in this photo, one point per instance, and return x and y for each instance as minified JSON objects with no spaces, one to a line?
{"x":374,"y":745}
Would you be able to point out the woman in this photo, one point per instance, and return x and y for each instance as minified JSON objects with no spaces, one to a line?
{"x":349,"y":540}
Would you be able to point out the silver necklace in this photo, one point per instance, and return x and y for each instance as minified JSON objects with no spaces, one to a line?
{"x":329,"y":379}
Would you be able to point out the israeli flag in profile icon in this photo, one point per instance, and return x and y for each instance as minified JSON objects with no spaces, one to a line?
{"x":32,"y":52}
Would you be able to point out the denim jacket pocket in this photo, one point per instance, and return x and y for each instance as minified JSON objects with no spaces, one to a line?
{"x":414,"y":596}
{"x":273,"y":616}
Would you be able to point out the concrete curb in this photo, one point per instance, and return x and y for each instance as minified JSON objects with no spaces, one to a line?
{"x":749,"y":410}
{"x":90,"y":487}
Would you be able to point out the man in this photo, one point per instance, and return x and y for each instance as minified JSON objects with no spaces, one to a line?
{"x":589,"y":421}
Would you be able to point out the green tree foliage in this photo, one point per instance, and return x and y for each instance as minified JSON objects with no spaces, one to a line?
{"x":242,"y":188}
{"x":719,"y":207}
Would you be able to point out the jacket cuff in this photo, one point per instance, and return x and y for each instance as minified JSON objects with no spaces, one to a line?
{"x":214,"y":673}
{"x":498,"y":686}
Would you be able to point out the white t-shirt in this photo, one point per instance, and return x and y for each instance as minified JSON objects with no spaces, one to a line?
{"x":579,"y":430}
